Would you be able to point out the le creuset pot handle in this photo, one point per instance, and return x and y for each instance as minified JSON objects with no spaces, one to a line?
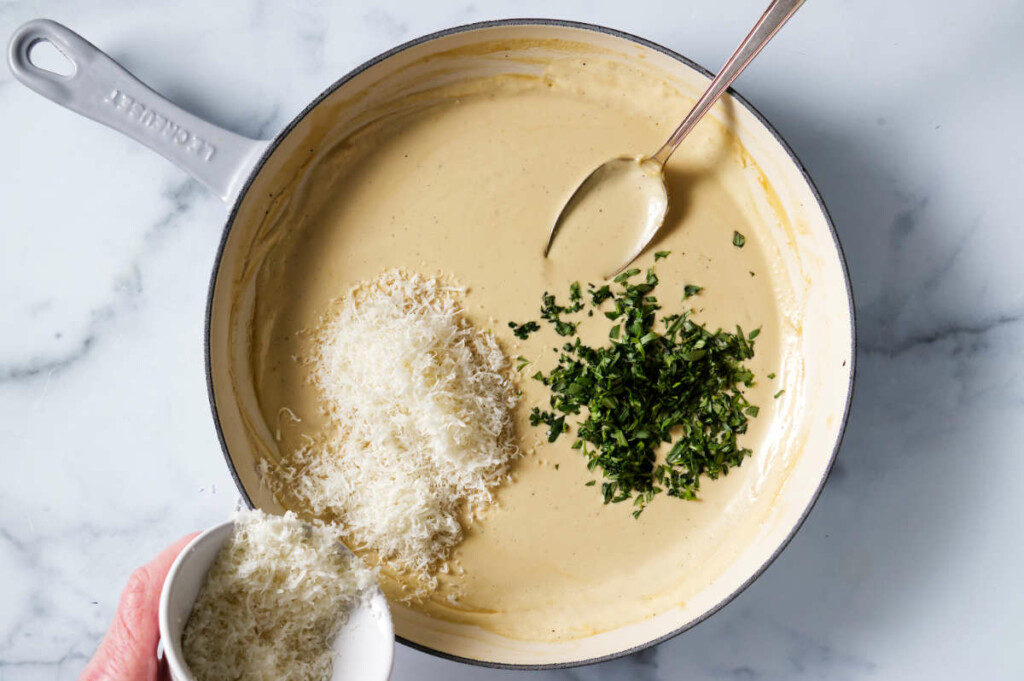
{"x":101,"y":89}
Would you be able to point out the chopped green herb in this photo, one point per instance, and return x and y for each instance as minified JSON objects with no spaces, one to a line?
{"x":556,"y":424}
{"x":771,"y":375}
{"x":591,"y":483}
{"x":738,"y":240}
{"x":626,"y":275}
{"x":754,"y":334}
{"x":565,"y":328}
{"x":680,"y":385}
{"x":524,"y":330}
{"x":661,"y":254}
{"x":521,"y":363}
{"x":556,"y":466}
{"x":751,"y":272}
{"x":691,"y":290}
{"x":551,"y":311}
{"x":599,"y":295}
{"x":779,"y":393}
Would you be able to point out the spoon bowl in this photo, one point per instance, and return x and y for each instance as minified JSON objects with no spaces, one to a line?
{"x":626,"y":196}
{"x":639,"y":181}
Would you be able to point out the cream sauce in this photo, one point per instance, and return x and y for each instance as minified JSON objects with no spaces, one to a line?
{"x":470,"y":186}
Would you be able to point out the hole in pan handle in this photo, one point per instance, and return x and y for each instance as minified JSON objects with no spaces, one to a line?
{"x":46,"y":56}
{"x":101,"y":89}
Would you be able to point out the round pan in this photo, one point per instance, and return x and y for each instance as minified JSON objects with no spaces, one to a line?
{"x":256,"y":177}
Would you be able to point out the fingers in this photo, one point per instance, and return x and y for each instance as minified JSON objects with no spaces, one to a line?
{"x":128,"y":651}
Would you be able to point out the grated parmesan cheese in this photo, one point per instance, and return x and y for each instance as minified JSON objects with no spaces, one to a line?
{"x":420,"y":407}
{"x":273,"y":602}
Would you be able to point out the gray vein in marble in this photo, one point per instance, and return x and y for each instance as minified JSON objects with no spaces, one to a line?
{"x":955,"y":332}
{"x":943,"y":268}
{"x":815,"y":654}
{"x":35,"y":607}
{"x":879,"y":317}
{"x":19,"y":371}
{"x":7,"y":666}
{"x":31,"y":550}
{"x":126,"y":288}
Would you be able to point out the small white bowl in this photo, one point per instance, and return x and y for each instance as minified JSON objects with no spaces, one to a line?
{"x":364,"y":649}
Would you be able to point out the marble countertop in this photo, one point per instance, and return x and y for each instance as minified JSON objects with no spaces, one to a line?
{"x":906,"y":116}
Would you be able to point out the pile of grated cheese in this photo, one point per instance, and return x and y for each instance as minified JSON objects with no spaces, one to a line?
{"x":419,"y":402}
{"x":273,"y":602}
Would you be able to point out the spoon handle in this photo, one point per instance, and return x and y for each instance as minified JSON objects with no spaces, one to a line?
{"x":777,"y":14}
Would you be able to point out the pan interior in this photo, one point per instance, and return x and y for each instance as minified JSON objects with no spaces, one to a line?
{"x":455,"y":154}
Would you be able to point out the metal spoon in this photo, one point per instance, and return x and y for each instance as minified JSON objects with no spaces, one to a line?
{"x":646,"y":174}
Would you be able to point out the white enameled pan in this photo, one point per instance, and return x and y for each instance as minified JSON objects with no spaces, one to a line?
{"x":245,"y":173}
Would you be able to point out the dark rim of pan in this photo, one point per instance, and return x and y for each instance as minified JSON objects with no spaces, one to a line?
{"x":645,"y":43}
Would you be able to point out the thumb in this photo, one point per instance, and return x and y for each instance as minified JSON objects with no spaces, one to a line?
{"x":128,"y":651}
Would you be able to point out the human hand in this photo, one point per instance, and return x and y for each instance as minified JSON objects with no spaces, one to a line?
{"x":128,"y":650}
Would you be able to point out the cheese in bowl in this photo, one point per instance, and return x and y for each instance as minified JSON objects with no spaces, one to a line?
{"x":269,"y":597}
